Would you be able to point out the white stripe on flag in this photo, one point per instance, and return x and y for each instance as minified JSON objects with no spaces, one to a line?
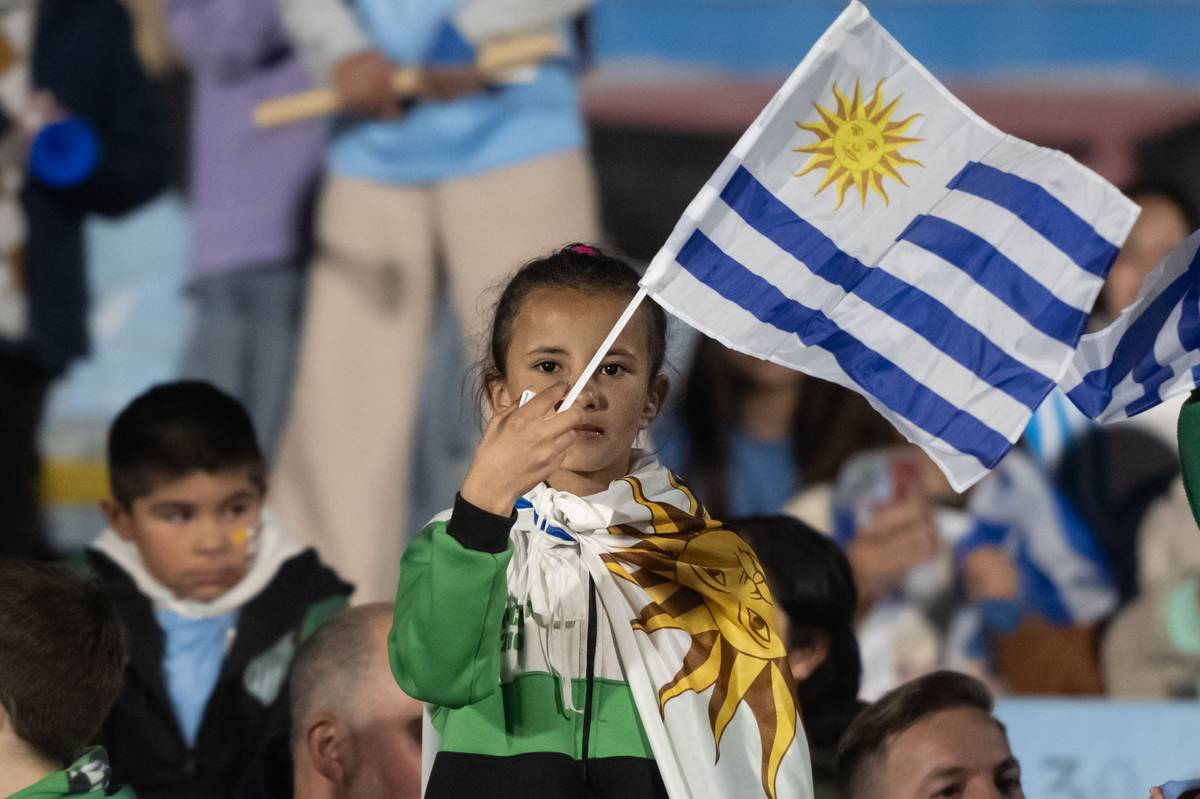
{"x":1024,"y":246}
{"x":992,"y":317}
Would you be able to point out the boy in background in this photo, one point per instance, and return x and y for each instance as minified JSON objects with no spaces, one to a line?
{"x":214,"y":594}
{"x":62,"y":653}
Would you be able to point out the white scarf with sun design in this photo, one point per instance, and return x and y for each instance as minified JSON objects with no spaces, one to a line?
{"x":692,"y":620}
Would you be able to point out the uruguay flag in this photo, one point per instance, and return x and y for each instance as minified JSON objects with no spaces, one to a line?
{"x":871,"y":230}
{"x":1151,"y":352}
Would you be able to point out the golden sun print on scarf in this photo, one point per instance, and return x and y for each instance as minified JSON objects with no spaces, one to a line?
{"x":707,"y":582}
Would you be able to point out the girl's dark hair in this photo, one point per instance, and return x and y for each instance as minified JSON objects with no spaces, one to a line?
{"x":830,"y":425}
{"x":813,"y":587}
{"x":581,"y":267}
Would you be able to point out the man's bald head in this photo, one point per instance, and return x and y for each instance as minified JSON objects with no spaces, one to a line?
{"x":338,"y":657}
{"x":355,"y":733}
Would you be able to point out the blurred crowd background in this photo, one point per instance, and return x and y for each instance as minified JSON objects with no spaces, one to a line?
{"x":1055,"y":576}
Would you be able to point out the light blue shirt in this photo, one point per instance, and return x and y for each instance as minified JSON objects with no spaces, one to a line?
{"x":192,"y":658}
{"x":437,"y":141}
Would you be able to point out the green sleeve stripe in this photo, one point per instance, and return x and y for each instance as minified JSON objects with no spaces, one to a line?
{"x":526,"y":716}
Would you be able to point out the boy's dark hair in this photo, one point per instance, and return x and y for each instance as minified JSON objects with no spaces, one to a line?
{"x":175,"y":429}
{"x":867,"y":738}
{"x":62,"y":657}
{"x":813,"y":585}
{"x":581,"y":267}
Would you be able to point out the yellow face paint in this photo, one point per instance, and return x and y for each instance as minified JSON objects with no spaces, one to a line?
{"x":240,"y":536}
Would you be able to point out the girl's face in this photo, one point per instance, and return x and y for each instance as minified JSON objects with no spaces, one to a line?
{"x":554,"y":335}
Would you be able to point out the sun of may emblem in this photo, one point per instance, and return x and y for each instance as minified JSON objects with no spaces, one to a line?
{"x":705,"y":581}
{"x":858,"y":145}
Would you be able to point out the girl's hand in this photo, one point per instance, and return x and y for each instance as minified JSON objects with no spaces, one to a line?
{"x":521,"y":447}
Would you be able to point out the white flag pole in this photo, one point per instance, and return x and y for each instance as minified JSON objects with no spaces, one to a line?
{"x":609,"y":340}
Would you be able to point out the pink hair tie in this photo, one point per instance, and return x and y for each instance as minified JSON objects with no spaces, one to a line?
{"x":583,"y":249}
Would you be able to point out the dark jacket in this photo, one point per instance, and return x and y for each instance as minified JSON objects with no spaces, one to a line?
{"x":145,"y":745}
{"x":824,"y":730}
{"x":83,"y":53}
{"x":270,"y":775}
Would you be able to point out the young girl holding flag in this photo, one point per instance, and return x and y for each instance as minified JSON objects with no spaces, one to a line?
{"x":580,"y":624}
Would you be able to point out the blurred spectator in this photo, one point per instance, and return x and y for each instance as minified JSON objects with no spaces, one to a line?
{"x":1152,"y":649}
{"x":812,"y":585}
{"x":1119,"y":478}
{"x":934,"y":736}
{"x":62,"y":654}
{"x":1036,"y":582}
{"x":1167,"y":218}
{"x":750,"y":433}
{"x":1006,"y":583}
{"x":70,"y":61}
{"x":355,"y":734}
{"x":250,"y":193}
{"x":477,"y":178}
{"x":892,"y":512}
{"x":1122,"y":478}
{"x":214,"y":594}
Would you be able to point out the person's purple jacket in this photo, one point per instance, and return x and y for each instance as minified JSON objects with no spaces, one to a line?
{"x":249,"y":185}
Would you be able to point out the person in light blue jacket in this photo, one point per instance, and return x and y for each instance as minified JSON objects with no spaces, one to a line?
{"x":473,"y":176}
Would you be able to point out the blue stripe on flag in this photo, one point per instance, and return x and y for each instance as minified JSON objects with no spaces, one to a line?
{"x":1042,"y":211}
{"x":877,"y":376}
{"x":1150,"y":374}
{"x":1000,"y":276}
{"x":1094,"y":392}
{"x":905,"y":303}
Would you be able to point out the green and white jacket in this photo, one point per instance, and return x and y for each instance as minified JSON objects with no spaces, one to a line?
{"x":621,"y":644}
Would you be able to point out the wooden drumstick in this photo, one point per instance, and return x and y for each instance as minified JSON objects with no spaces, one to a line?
{"x":495,"y":58}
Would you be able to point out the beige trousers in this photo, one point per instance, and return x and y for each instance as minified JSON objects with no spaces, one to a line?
{"x":344,"y":466}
